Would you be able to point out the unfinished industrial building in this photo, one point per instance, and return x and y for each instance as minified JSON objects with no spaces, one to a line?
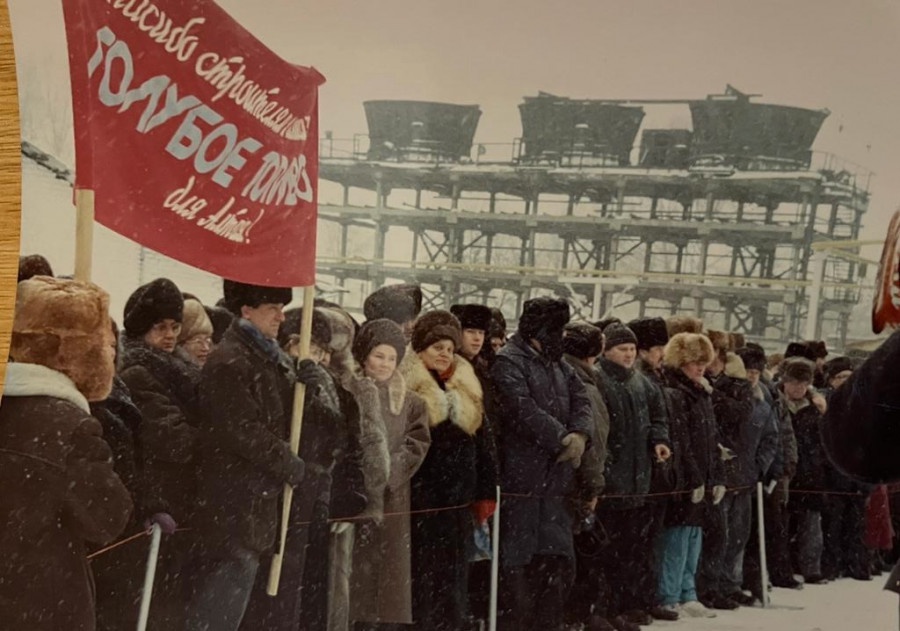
{"x":718,"y":219}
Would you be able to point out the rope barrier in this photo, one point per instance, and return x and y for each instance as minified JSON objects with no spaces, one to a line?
{"x":424,"y":511}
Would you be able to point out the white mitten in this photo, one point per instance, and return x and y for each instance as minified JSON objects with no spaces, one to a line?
{"x":697,"y":494}
{"x":718,"y":494}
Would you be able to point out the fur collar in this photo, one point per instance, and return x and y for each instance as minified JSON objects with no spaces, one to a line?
{"x":181,"y":377}
{"x":34,"y":380}
{"x":395,"y":387}
{"x":460,"y":401}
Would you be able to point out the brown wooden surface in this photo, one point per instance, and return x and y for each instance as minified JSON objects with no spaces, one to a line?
{"x":10,"y":184}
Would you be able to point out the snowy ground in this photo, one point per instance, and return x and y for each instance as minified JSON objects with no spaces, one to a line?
{"x":844,"y":605}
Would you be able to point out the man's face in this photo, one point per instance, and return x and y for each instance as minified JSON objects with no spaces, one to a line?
{"x":623,"y":354}
{"x":267,"y":317}
{"x":753,"y":376}
{"x":795,"y":390}
{"x":472,"y":341}
{"x":653,"y":356}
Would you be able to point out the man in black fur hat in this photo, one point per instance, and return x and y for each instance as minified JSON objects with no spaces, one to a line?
{"x":246,"y":393}
{"x":652,"y":337}
{"x":546,"y":426}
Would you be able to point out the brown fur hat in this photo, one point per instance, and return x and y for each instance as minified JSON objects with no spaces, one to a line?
{"x":194,"y":320}
{"x":738,"y":340}
{"x":65,"y":325}
{"x":33,"y":265}
{"x":684,"y":348}
{"x":435,"y":326}
{"x":797,"y":369}
{"x":721,"y":340}
{"x":734,"y":366}
{"x":683,"y":324}
{"x":375,"y":333}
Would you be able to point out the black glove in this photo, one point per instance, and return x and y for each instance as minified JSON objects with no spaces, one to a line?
{"x":310,"y":373}
{"x":296,"y":471}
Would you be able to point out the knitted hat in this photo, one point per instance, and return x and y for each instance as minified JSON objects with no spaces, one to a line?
{"x":239,"y":295}
{"x":194,"y":321}
{"x":834,"y":367}
{"x":221,"y":318}
{"x":800,"y":349}
{"x":754,"y":357}
{"x":435,"y":326}
{"x":650,"y":332}
{"x":543,"y":314}
{"x":618,"y":334}
{"x":400,"y":303}
{"x":582,"y":340}
{"x":375,"y":333}
{"x":33,"y":265}
{"x":154,"y":302}
{"x":321,"y":330}
{"x":687,"y":348}
{"x":473,"y":316}
{"x":797,"y":369}
{"x":65,"y":325}
{"x":684,"y":324}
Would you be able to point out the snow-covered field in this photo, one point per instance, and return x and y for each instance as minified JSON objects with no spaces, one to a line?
{"x":844,"y":605}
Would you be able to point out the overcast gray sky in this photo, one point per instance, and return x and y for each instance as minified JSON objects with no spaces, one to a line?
{"x":813,"y":53}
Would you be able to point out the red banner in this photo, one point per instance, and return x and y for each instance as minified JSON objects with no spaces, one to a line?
{"x":199,"y":142}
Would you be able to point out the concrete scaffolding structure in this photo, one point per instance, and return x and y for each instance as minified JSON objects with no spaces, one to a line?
{"x":718,"y":220}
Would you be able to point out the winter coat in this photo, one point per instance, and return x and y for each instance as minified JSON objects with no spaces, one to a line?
{"x":811,"y":460}
{"x":459,"y":467}
{"x":787,"y":438}
{"x":756,"y":443}
{"x":330,"y":452}
{"x":119,"y":573}
{"x":879,"y":534}
{"x":164,"y":387}
{"x":541,"y":402}
{"x":380,"y":583}
{"x":637,"y":423}
{"x":732,"y":400}
{"x":695,"y":445}
{"x":589,"y":476}
{"x":861,"y":429}
{"x":60,"y":493}
{"x":246,"y":394}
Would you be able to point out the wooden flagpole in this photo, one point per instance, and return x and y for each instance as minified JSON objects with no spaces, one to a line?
{"x":84,"y":233}
{"x":309,"y":294}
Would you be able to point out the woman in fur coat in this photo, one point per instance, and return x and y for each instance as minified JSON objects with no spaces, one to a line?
{"x":381,"y":591}
{"x":60,"y":491}
{"x":458,"y":478}
{"x":164,"y":383}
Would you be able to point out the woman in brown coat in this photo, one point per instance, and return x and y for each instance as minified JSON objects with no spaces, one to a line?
{"x":381,"y":591}
{"x":59,"y":488}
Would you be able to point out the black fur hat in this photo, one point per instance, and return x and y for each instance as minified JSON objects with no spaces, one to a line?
{"x":33,"y":265}
{"x":238,"y":295}
{"x":375,"y":333}
{"x":543,"y":314}
{"x":650,"y":332}
{"x":321,"y":330}
{"x":582,"y":340}
{"x":753,"y":356}
{"x":400,"y":303}
{"x":473,"y":316}
{"x":221,"y":319}
{"x":833,"y":367}
{"x":151,"y":303}
{"x":798,"y":369}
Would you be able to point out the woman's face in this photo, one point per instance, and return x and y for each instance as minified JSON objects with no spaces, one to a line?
{"x":163,"y":335}
{"x":838,"y":380}
{"x":198,"y":347}
{"x":381,"y":363}
{"x":438,"y":356}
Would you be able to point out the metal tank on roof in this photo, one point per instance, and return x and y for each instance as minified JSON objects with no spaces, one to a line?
{"x":420,"y":131}
{"x":578,"y":132}
{"x":731,"y":131}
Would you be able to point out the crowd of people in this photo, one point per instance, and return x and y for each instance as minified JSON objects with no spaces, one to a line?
{"x":626,"y":456}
